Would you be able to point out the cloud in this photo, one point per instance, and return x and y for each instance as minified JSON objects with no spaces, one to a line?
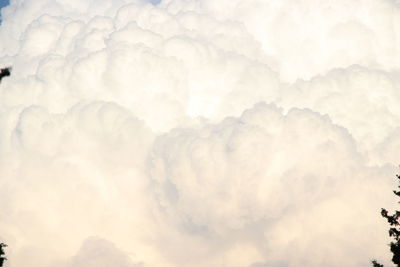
{"x":198,"y":133}
{"x":363,"y":100}
{"x":312,"y":37}
{"x":215,"y":176}
{"x":97,"y":252}
{"x":258,"y":175}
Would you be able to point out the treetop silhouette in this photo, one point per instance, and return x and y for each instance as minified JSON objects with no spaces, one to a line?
{"x":4,"y":73}
{"x":2,"y":254}
{"x":394,"y":231}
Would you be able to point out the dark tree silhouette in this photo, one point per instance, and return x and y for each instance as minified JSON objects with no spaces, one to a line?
{"x":375,"y":264}
{"x":394,"y":231}
{"x":2,"y":253}
{"x":4,"y":73}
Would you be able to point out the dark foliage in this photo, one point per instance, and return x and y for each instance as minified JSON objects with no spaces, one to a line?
{"x":394,"y":231}
{"x":4,"y":73}
{"x":2,"y":253}
{"x":375,"y":264}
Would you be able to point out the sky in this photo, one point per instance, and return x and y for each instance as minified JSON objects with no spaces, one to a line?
{"x":3,"y":3}
{"x":197,"y":133}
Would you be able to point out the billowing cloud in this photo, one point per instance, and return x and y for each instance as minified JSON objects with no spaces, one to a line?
{"x":96,"y":252}
{"x":309,"y":37}
{"x":283,"y":183}
{"x":362,"y":100}
{"x":198,"y":133}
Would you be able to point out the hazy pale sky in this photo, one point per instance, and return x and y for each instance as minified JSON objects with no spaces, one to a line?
{"x":198,"y":133}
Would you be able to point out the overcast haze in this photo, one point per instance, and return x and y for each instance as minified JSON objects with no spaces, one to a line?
{"x":188,"y":133}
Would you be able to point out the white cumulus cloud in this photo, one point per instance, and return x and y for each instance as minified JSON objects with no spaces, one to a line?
{"x":198,"y":133}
